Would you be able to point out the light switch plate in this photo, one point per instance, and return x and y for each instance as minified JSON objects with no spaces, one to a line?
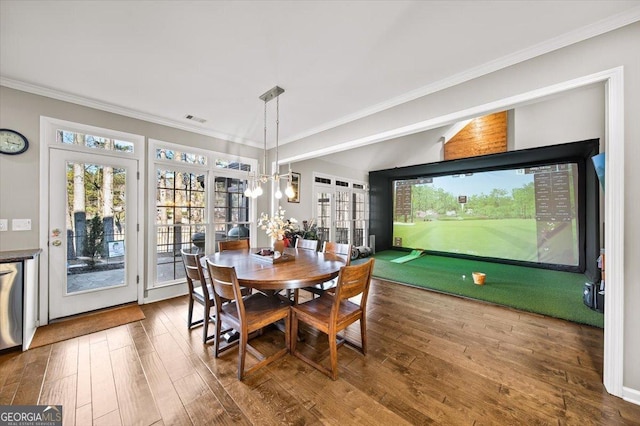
{"x":4,"y":225}
{"x":21,"y":225}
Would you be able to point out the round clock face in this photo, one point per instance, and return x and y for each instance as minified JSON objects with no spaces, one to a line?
{"x":12,"y":142}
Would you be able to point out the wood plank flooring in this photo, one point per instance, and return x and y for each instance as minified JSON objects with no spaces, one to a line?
{"x":433,"y":359}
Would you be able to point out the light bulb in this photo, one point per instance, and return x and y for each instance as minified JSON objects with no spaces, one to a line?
{"x":258,"y":191}
{"x":289,"y":191}
{"x":247,"y":192}
{"x":278,"y":194}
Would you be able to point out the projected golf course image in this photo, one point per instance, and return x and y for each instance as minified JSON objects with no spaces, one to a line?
{"x":521,"y":214}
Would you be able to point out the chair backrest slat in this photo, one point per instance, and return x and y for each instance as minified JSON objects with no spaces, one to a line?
{"x":302,"y":243}
{"x":224,"y":281}
{"x":352,"y":281}
{"x":233,"y":245}
{"x":337,"y":248}
{"x":194,"y":271}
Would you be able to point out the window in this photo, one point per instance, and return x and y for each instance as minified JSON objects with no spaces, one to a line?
{"x":94,"y":142}
{"x":341,"y":210}
{"x":180,"y":218}
{"x":232,"y":165}
{"x":323,"y":214}
{"x":343,"y":216}
{"x":231,"y":217}
{"x":180,"y":156}
{"x":359,"y":217}
{"x":199,"y":200}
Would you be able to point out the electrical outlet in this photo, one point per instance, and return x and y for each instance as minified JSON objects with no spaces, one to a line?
{"x":21,"y":224}
{"x":4,"y":225}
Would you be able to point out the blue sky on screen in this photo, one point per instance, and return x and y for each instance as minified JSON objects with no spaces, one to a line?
{"x":482,"y":182}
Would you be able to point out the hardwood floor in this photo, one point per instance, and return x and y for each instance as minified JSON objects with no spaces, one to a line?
{"x":432,"y":359}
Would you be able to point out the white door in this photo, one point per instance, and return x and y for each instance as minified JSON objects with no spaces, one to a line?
{"x":92,"y":232}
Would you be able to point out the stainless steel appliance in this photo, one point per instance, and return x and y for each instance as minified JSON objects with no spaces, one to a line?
{"x":10,"y":305}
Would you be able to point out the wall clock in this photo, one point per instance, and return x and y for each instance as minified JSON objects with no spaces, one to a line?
{"x":12,"y":142}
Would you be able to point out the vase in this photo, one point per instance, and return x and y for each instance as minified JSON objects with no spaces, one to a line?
{"x":278,"y":245}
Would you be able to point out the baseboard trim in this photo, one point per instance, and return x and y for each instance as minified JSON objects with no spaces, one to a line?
{"x":166,"y":292}
{"x":631,"y":395}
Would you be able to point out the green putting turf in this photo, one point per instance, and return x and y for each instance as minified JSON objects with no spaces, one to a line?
{"x":553,"y":293}
{"x":404,"y":259}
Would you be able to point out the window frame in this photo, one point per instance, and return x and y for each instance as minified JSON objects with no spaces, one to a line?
{"x":333,"y":185}
{"x":211,"y":172}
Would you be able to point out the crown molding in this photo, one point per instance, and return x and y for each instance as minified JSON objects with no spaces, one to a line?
{"x":598,"y":28}
{"x":116,"y":109}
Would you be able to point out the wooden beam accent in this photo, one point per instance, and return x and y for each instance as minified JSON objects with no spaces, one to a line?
{"x":482,"y":136}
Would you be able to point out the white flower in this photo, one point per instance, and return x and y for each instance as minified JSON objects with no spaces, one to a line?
{"x":277,"y":226}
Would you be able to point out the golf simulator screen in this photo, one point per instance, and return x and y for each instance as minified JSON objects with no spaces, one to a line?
{"x":523,"y":214}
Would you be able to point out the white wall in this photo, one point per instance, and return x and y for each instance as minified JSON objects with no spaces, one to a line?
{"x":573,"y":116}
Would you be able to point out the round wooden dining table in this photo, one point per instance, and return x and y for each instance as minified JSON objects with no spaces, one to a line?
{"x":307,"y":268}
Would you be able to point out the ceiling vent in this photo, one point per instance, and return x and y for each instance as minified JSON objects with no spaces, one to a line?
{"x":194,"y":118}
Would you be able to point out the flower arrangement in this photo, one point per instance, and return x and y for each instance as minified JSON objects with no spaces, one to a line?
{"x":277,"y":227}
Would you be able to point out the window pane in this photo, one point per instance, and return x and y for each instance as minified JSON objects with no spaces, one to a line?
{"x":323,"y":214}
{"x":170,"y":241}
{"x":232,"y":165}
{"x":90,"y":141}
{"x":231,"y":209}
{"x":181,"y":220}
{"x":180,"y":156}
{"x":96,"y":225}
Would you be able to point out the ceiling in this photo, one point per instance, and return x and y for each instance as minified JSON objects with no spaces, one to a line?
{"x":337,"y":61}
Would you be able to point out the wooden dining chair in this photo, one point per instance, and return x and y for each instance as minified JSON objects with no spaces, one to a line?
{"x":233,"y":244}
{"x":336,"y":248}
{"x":199,"y":292}
{"x":303,"y":244}
{"x":246,"y":315}
{"x":332,"y":313}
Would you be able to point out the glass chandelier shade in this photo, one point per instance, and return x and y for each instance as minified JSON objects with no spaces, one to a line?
{"x":256,"y":179}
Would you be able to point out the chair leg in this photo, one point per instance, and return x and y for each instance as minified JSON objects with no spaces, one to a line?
{"x":363,"y":334}
{"x":294,"y":331}
{"x":333,"y":349}
{"x":190,"y":313}
{"x":242,"y":352}
{"x":216,"y":343}
{"x":205,"y":325}
{"x":287,"y":332}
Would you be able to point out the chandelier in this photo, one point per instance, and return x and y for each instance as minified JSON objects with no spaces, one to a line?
{"x":256,"y":179}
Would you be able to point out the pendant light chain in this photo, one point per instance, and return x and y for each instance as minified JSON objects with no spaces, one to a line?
{"x":256,"y":179}
{"x":277,"y":132}
{"x":264,"y":164}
